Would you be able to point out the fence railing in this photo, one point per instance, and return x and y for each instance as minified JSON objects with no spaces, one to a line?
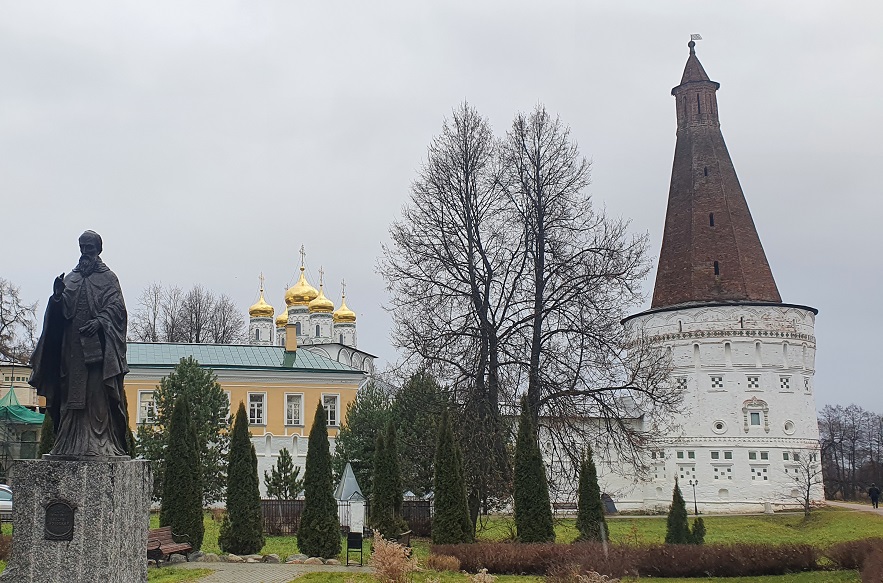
{"x":282,"y":517}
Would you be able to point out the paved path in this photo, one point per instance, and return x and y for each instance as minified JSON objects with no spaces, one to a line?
{"x":854,"y":506}
{"x":262,"y":572}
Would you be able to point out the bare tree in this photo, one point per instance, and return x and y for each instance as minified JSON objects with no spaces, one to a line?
{"x":804,"y":477}
{"x":450,"y":270}
{"x":17,"y":324}
{"x":851,"y":448}
{"x":197,"y":316}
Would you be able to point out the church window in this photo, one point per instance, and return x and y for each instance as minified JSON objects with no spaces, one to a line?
{"x":680,"y":329}
{"x":728,"y":455}
{"x":717,"y":382}
{"x":741,"y":322}
{"x":680,"y":455}
{"x":681,"y":383}
{"x":698,"y":105}
{"x":257,"y":333}
{"x":146,"y":407}
{"x":691,"y":455}
{"x":297,"y":328}
{"x":806,"y":384}
{"x":764,"y":455}
{"x":753,"y":382}
{"x":752,"y":455}
{"x":706,"y":173}
{"x":796,"y":457}
{"x":755,"y":418}
{"x":340,"y":338}
{"x":785,"y":383}
{"x":710,"y":215}
{"x":715,"y":455}
{"x":256,"y":408}
{"x":719,"y":426}
{"x":687,"y":472}
{"x":330,"y":402}
{"x":759,"y":473}
{"x":293,"y":404}
{"x":717,"y":268}
{"x":317,"y":331}
{"x":789,"y":427}
{"x":785,"y":456}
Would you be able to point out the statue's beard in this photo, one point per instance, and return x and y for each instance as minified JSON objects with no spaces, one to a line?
{"x":87,"y":264}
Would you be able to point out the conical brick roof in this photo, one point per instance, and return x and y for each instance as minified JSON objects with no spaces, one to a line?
{"x":711,"y":251}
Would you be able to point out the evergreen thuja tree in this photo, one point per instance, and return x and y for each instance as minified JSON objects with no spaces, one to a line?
{"x":242,"y":531}
{"x":677,"y":530}
{"x":697,"y":537}
{"x":319,"y":533}
{"x":450,"y":523}
{"x":182,"y":488}
{"x":386,"y":494}
{"x":283,"y":480}
{"x":47,"y":435}
{"x":590,"y":511}
{"x":533,"y":510}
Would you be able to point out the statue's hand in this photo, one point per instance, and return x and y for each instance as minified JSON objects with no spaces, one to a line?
{"x":90,"y":328}
{"x":58,"y":286}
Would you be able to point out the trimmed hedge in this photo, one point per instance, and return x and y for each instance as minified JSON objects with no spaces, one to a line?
{"x":560,"y":561}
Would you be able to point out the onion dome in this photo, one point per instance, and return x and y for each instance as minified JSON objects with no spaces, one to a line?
{"x":344,"y":315}
{"x":301,"y":293}
{"x":261,"y":309}
{"x":321,"y":304}
{"x":282,"y":319}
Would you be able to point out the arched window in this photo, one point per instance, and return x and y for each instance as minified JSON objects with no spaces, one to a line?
{"x":317,"y":331}
{"x":257,"y":333}
{"x":341,"y":338}
{"x":297,"y":328}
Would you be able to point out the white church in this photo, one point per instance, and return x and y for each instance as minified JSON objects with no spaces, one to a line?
{"x":743,"y":358}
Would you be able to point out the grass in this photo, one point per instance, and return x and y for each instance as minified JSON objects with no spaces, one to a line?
{"x":172,"y":575}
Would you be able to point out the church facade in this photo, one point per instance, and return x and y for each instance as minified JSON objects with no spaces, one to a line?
{"x":743,"y":359}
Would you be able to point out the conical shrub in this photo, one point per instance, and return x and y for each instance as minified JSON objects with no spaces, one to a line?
{"x":242,"y":531}
{"x":182,"y":488}
{"x":677,"y":530}
{"x":590,"y":512}
{"x":319,"y":533}
{"x":533,"y":509}
{"x":450,"y":523}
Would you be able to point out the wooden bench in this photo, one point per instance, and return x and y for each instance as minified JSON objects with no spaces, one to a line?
{"x":564,"y":507}
{"x":161,"y":544}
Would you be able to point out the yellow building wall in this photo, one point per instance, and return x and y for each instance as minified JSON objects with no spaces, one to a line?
{"x":274,"y":402}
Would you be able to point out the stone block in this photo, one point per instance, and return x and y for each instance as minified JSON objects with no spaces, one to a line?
{"x":104,"y":540}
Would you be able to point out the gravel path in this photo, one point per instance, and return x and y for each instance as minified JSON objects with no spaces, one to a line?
{"x":262,"y":572}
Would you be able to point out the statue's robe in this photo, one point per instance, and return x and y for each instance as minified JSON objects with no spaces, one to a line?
{"x":81,"y":376}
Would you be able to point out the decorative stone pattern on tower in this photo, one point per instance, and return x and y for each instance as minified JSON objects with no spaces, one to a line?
{"x":710,"y":248}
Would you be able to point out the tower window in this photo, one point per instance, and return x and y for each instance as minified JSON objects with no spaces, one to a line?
{"x":257,"y":334}
{"x":317,"y":331}
{"x":711,"y":219}
{"x":297,"y":328}
{"x":341,"y":338}
{"x":717,"y":269}
{"x":698,"y":105}
{"x":706,"y":173}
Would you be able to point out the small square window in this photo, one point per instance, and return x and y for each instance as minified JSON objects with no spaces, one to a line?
{"x":728,"y":455}
{"x":753,"y":382}
{"x":796,"y":457}
{"x":785,"y":383}
{"x":691,"y":455}
{"x":681,"y":383}
{"x":755,"y":417}
{"x":785,"y":456}
{"x":680,"y":455}
{"x":717,"y":382}
{"x":715,"y":455}
{"x":752,"y":455}
{"x":764,"y":455}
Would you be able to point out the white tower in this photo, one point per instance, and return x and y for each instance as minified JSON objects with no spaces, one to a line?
{"x":744,"y":360}
{"x":260,"y":321}
{"x":344,"y":329}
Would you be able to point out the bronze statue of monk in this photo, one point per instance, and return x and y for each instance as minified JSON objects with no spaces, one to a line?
{"x":80,"y":359}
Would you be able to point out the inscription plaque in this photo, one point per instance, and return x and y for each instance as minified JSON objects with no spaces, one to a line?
{"x":59,"y":521}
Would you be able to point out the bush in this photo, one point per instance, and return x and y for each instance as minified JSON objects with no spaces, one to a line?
{"x":391,"y":561}
{"x":590,"y":513}
{"x":561,"y":562}
{"x":533,"y":510}
{"x":242,"y":531}
{"x":319,"y":531}
{"x":443,"y":563}
{"x":697,"y":537}
{"x":182,"y":480}
{"x":851,"y":555}
{"x":677,"y":530}
{"x":572,"y":575}
{"x":5,"y":546}
{"x":872,"y":571}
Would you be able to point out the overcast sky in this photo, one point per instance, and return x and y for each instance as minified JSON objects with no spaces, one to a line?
{"x":206,"y":141}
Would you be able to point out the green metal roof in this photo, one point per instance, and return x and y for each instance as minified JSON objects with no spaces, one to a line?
{"x":158,"y":354}
{"x":12,"y":411}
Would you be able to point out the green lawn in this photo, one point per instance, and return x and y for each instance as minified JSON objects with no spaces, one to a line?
{"x":164,"y":575}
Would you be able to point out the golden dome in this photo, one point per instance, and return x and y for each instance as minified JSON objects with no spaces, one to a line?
{"x":321,"y":304}
{"x":282,"y":319}
{"x":344,"y":315}
{"x":261,"y":309}
{"x":301,"y":293}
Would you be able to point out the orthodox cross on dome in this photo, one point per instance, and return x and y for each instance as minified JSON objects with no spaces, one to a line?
{"x":261,"y":277}
{"x":343,"y":287}
{"x":303,"y":255}
{"x":321,"y":275}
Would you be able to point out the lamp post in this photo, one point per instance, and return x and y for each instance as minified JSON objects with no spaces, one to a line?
{"x":694,"y":483}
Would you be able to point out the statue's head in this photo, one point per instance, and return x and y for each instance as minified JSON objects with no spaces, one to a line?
{"x":90,"y":244}
{"x":90,"y":249}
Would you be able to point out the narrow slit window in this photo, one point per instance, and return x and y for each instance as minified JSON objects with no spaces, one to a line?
{"x":717,"y":268}
{"x":706,"y":170}
{"x":711,"y":219}
{"x":698,"y":105}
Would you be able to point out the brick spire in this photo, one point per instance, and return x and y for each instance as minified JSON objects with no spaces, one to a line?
{"x":710,"y":249}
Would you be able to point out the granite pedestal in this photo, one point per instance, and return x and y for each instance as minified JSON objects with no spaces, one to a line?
{"x":79,"y":521}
